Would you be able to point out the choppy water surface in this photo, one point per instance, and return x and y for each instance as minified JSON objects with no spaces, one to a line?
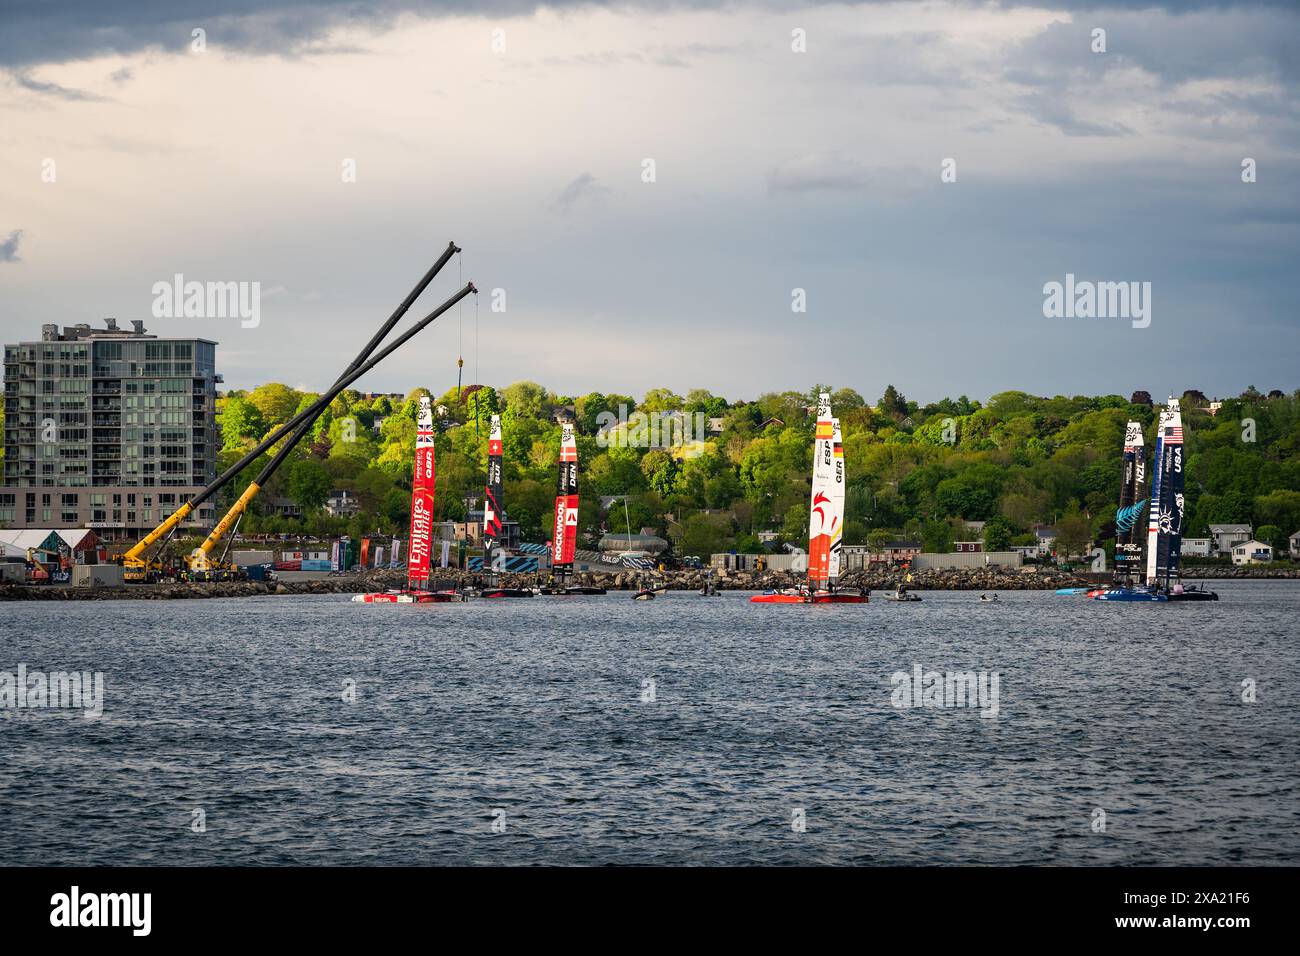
{"x":534,"y":708}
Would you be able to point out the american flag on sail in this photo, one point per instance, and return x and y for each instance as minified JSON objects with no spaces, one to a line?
{"x":1174,"y":434}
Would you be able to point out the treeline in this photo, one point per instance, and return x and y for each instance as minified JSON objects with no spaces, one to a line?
{"x":1014,"y":462}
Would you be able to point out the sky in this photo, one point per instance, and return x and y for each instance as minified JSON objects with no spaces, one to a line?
{"x":792,"y":148}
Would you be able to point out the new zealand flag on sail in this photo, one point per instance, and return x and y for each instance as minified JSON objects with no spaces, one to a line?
{"x":1125,"y":518}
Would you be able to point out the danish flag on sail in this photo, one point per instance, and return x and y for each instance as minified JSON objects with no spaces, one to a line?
{"x":422,"y":487}
{"x":492,"y":494}
{"x":566,"y":500}
{"x":823,"y":522}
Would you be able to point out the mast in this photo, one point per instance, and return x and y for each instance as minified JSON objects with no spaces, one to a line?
{"x":566,"y":503}
{"x":492,"y":495}
{"x":1132,"y":500}
{"x":821,"y":512}
{"x":419,"y":554}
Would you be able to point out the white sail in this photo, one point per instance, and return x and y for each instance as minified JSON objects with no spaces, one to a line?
{"x":837,"y":502}
{"x":822,"y":520}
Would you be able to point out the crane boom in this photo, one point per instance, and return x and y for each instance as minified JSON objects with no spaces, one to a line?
{"x":198,"y":560}
{"x":181,"y":513}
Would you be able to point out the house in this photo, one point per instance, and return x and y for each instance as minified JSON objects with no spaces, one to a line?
{"x":767,"y":537}
{"x":1028,"y":550}
{"x":1251,"y":551}
{"x":1197,"y":547}
{"x":1214,"y":407}
{"x":715,"y":425}
{"x":285,"y":508}
{"x":975,"y":528}
{"x":342,"y":504}
{"x":1293,"y":545}
{"x":78,"y":545}
{"x":1046,"y":539}
{"x":968,"y":547}
{"x":1226,"y":536}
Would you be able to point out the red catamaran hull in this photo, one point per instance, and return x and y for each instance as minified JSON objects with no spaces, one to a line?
{"x":805,"y":599}
{"x":407,"y":597}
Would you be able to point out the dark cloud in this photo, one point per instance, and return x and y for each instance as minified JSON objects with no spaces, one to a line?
{"x":583,"y":187}
{"x":54,"y":89}
{"x":35,"y":33}
{"x":836,"y":172}
{"x":9,"y":247}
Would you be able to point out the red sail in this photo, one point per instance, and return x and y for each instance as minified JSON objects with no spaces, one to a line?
{"x":566,"y":500}
{"x":418,"y":558}
{"x":492,"y":495}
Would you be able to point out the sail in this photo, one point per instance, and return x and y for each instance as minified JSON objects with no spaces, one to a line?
{"x":1153,"y":511}
{"x":1165,"y":525}
{"x":422,"y":486}
{"x":837,"y":504}
{"x":492,"y":514}
{"x":822,"y":521}
{"x":1170,"y":548}
{"x":1132,"y":503}
{"x":566,"y":500}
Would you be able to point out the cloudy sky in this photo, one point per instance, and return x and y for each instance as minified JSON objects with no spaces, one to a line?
{"x":522,"y":133}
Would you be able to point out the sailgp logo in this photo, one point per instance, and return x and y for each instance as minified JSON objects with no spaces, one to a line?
{"x":820,"y":511}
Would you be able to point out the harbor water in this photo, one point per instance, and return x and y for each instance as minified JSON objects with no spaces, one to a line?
{"x":600,"y":730}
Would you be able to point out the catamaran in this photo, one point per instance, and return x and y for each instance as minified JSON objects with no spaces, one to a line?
{"x":1165,"y":515}
{"x":1132,"y":503}
{"x":419,"y":554}
{"x":825,"y":521}
{"x":492,"y":517}
{"x":564,"y":540}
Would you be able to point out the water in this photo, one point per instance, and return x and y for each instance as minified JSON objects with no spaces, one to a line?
{"x":534,"y":708}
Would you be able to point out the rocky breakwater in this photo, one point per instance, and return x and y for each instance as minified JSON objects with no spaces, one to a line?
{"x":344,"y":584}
{"x":959,"y":579}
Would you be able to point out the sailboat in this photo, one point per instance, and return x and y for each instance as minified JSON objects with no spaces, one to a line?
{"x":1165,"y":515}
{"x":1132,"y":503}
{"x":419,"y":554}
{"x":825,"y":521}
{"x":492,"y":516}
{"x":565,"y":537}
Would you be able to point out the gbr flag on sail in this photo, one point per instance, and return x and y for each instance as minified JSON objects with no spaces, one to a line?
{"x":566,"y":499}
{"x":422,"y":486}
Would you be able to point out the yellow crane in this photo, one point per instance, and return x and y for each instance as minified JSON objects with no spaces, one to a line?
{"x":138,"y":566}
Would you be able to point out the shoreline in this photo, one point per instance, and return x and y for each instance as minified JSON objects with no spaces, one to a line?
{"x":956,"y":579}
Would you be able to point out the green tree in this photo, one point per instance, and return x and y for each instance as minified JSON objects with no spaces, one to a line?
{"x":275,"y":401}
{"x":240,"y":420}
{"x":1274,"y":535}
{"x":997,"y":533}
{"x":1073,"y":533}
{"x":309,"y":483}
